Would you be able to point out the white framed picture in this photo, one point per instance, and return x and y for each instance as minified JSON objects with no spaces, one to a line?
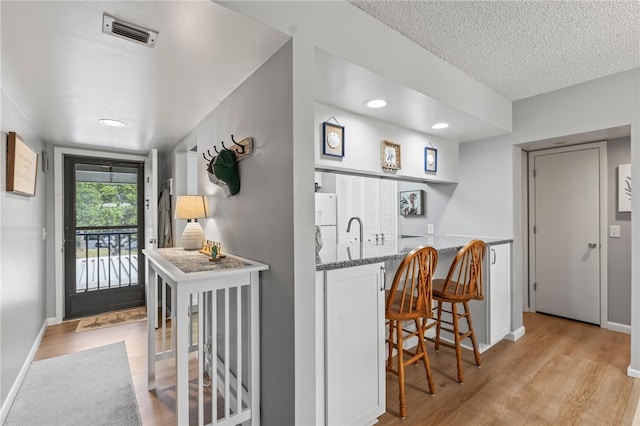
{"x":624,"y":187}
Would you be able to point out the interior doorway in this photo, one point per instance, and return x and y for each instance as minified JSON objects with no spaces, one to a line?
{"x":567,"y":215}
{"x":103,"y":234}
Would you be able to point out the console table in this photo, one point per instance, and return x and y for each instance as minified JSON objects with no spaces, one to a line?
{"x":213,"y":310}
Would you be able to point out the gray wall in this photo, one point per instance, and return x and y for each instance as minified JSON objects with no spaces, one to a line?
{"x":619,"y":256}
{"x":258,"y":222}
{"x":488,"y":198}
{"x":22,"y":257}
{"x":437,"y":196}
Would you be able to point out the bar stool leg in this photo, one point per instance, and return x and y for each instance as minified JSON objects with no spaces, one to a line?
{"x":400,"y":355}
{"x":438,"y":325}
{"x":425,"y":358}
{"x":456,"y":336}
{"x":476,"y":352}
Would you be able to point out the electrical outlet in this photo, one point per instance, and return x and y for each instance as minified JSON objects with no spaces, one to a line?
{"x":430,"y":229}
{"x":614,"y":231}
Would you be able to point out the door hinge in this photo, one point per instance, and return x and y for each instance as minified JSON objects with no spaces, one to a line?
{"x":535,"y":286}
{"x":534,"y":229}
{"x":534,"y":172}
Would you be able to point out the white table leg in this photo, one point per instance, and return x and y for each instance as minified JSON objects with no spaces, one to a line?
{"x":254,"y":352}
{"x":182,"y":354}
{"x":152,"y":285}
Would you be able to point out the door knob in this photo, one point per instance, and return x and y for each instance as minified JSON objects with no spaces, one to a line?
{"x":593,"y":245}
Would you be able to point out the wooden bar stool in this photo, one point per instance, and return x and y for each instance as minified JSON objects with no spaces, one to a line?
{"x":463,"y":283}
{"x":409,"y":299}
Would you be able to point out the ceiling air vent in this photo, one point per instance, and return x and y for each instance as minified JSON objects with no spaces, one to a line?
{"x":128,"y":31}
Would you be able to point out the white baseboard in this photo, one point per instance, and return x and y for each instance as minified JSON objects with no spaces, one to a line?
{"x":515,"y":334}
{"x":11,"y":396}
{"x":632,"y":372}
{"x":620,"y":328}
{"x":53,"y":321}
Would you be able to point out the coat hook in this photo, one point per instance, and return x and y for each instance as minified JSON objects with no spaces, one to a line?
{"x":215,"y":148}
{"x":222,"y":142}
{"x":242,"y":148}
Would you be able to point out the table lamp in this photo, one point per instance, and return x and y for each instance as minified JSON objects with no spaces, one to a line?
{"x":192,"y":208}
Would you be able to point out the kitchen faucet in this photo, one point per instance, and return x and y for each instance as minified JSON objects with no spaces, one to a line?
{"x":359,"y":221}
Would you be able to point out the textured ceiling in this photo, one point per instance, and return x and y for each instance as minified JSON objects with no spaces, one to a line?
{"x":521,"y":48}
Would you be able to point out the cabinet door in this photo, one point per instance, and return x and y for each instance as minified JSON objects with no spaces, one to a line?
{"x":354,"y":333}
{"x":500,"y":292}
{"x":373,"y":200}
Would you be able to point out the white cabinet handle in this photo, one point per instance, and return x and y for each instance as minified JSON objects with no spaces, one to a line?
{"x":493,"y":252}
{"x":383,"y":278}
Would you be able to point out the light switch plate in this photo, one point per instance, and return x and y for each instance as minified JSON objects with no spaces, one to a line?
{"x":430,"y":229}
{"x":614,"y":231}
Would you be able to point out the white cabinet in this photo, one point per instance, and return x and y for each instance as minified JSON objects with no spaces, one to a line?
{"x":373,"y":200}
{"x":491,"y":316}
{"x":354,"y":345}
{"x":499,"y":297}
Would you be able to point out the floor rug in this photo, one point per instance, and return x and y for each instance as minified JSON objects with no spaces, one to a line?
{"x":91,"y":387}
{"x":110,"y":319}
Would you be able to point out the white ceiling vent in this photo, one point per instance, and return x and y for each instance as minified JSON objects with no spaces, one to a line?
{"x":128,"y":31}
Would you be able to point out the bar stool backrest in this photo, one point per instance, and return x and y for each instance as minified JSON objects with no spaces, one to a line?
{"x":465,"y":276}
{"x":411,"y":290}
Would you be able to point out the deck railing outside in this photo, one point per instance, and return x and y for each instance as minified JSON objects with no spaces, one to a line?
{"x":106,"y":257}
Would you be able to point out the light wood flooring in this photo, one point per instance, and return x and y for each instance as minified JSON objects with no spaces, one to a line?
{"x":560,"y":373}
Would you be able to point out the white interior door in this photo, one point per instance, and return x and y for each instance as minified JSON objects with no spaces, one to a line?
{"x":566,"y":239}
{"x":151,"y":200}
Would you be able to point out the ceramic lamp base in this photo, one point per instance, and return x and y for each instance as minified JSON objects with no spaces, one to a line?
{"x":192,"y":236}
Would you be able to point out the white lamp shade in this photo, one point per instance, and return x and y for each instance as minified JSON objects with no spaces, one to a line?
{"x":191,"y":207}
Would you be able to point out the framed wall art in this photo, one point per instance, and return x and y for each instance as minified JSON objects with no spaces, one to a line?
{"x":22,"y":166}
{"x":624,"y":187}
{"x":430,"y":159}
{"x":412,"y":203}
{"x":390,"y":155}
{"x":332,"y":139}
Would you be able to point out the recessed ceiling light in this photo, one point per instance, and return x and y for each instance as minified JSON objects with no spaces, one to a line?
{"x":376,"y":103}
{"x":112,"y":123}
{"x":440,"y":126}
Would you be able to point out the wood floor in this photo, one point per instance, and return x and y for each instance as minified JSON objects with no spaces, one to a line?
{"x":560,"y":373}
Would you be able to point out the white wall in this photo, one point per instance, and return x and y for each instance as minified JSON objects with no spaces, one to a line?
{"x":363,"y":139}
{"x":258,"y":222}
{"x":22,"y":257}
{"x":487,"y":199}
{"x":437,"y":198}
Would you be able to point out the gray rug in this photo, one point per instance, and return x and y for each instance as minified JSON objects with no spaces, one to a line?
{"x":91,"y":387}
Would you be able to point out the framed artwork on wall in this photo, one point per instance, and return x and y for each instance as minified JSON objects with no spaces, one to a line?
{"x":430,"y":159}
{"x":390,"y":155}
{"x":22,"y":166}
{"x":624,"y":188}
{"x":412,"y":203}
{"x":332,"y":140}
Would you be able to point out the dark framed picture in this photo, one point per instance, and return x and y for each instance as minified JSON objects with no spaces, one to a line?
{"x":412,"y":203}
{"x":390,"y":155}
{"x":430,"y":159}
{"x":332,"y":139}
{"x":22,"y":166}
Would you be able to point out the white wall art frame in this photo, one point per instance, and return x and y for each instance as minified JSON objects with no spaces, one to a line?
{"x":624,"y":187}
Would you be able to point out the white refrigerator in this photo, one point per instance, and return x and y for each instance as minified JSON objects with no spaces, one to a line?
{"x":326,"y":206}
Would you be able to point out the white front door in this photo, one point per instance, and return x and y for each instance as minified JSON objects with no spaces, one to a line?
{"x":151,"y":200}
{"x":566,"y":239}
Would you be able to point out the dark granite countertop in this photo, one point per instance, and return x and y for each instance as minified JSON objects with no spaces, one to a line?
{"x":354,"y":254}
